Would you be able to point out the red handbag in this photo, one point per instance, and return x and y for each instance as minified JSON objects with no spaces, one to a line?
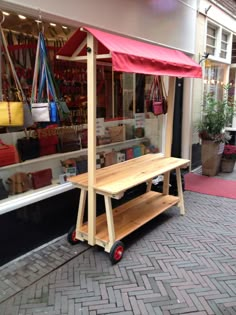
{"x":41,"y":178}
{"x":48,"y":140}
{"x":8,"y":154}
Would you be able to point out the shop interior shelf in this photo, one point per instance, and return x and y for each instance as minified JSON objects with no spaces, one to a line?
{"x":71,"y":153}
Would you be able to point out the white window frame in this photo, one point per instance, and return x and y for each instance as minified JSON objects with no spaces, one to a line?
{"x":219,"y":32}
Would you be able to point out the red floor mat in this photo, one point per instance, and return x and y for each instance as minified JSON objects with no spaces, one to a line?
{"x":210,"y":185}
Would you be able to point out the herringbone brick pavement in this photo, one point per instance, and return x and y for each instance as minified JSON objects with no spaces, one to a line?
{"x":172,"y":265}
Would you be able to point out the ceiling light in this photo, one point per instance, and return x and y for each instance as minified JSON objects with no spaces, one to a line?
{"x":65,"y":27}
{"x":38,"y":21}
{"x":22,"y":17}
{"x":53,"y":24}
{"x":5,"y":13}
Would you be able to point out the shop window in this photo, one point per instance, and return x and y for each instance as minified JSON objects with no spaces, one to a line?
{"x":214,"y":80}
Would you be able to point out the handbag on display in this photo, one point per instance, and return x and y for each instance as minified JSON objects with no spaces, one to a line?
{"x":110,"y":158}
{"x":8,"y":154}
{"x":40,"y":109}
{"x":149,"y":99}
{"x":164,"y":97}
{"x":117,"y":133}
{"x":48,"y":140}
{"x":157,"y":107}
{"x":28,"y":148}
{"x":69,"y":140}
{"x":156,"y":101}
{"x":84,"y":138}
{"x":41,"y":178}
{"x":18,"y":183}
{"x":51,"y":109}
{"x":82,"y":164}
{"x":3,"y":191}
{"x":104,"y":139}
{"x":11,"y":112}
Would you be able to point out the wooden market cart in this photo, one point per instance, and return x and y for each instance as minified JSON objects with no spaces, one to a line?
{"x":126,"y":55}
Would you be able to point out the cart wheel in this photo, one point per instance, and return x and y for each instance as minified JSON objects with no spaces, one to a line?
{"x":116,"y":252}
{"x":71,"y":236}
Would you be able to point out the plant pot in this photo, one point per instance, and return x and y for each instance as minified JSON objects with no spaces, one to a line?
{"x":211,"y":157}
{"x":227,"y":165}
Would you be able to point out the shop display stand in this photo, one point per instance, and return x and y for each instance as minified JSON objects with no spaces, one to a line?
{"x":108,"y":229}
{"x":112,"y":182}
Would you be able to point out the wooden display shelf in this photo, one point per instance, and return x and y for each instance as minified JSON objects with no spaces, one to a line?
{"x":130,"y":216}
{"x":117,"y":178}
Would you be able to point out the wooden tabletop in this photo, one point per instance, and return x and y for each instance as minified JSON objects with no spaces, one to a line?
{"x":119,"y":177}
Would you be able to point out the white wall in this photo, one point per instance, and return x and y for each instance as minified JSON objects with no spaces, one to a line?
{"x":216,"y":14}
{"x":167,"y":22}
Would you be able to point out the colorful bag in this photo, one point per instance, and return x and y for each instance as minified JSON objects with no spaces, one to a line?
{"x":8,"y":154}
{"x":40,"y":112}
{"x":11,"y":112}
{"x":52,"y":109}
{"x":18,"y":183}
{"x":48,"y":140}
{"x":156,"y":101}
{"x":41,"y":178}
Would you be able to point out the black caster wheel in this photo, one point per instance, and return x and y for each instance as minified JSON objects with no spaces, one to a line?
{"x":116,"y":252}
{"x":71,"y":236}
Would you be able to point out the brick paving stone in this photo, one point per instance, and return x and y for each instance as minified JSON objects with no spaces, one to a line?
{"x":173,"y":265}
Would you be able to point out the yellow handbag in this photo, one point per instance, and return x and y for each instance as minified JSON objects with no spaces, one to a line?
{"x":12,"y":112}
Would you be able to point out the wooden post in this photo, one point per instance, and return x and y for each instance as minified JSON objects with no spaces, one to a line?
{"x":170,"y":117}
{"x":169,"y":130}
{"x":91,"y":112}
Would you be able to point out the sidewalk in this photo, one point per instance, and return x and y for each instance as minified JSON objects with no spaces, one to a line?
{"x":172,"y":265}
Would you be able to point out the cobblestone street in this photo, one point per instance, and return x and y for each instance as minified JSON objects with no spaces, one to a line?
{"x":172,"y":265}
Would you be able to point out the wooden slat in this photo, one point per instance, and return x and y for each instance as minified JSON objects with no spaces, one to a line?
{"x":132,"y":215}
{"x":117,"y":178}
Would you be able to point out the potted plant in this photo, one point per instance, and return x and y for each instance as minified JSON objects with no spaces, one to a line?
{"x":216,"y":115}
{"x":228,"y":158}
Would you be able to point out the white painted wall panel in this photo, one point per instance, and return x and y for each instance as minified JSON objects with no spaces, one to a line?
{"x":167,"y":22}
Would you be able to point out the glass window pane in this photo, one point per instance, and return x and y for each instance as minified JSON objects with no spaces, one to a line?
{"x":223,"y":54}
{"x":224,"y":37}
{"x":210,"y":41}
{"x":211,"y":31}
{"x":224,"y":46}
{"x":210,"y":50}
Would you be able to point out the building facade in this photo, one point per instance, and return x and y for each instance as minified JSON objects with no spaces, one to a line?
{"x":215,"y":42}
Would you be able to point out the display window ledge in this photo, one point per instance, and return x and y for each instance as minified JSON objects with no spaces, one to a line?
{"x":20,"y":200}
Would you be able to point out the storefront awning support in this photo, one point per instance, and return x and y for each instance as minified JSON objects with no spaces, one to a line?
{"x":91,"y":112}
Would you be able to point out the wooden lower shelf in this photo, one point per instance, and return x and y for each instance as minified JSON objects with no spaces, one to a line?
{"x":132,"y":215}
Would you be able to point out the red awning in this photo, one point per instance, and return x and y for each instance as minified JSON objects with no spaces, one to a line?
{"x":129,"y":55}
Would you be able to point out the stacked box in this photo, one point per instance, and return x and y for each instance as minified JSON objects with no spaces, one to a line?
{"x":120,"y":157}
{"x":100,"y":160}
